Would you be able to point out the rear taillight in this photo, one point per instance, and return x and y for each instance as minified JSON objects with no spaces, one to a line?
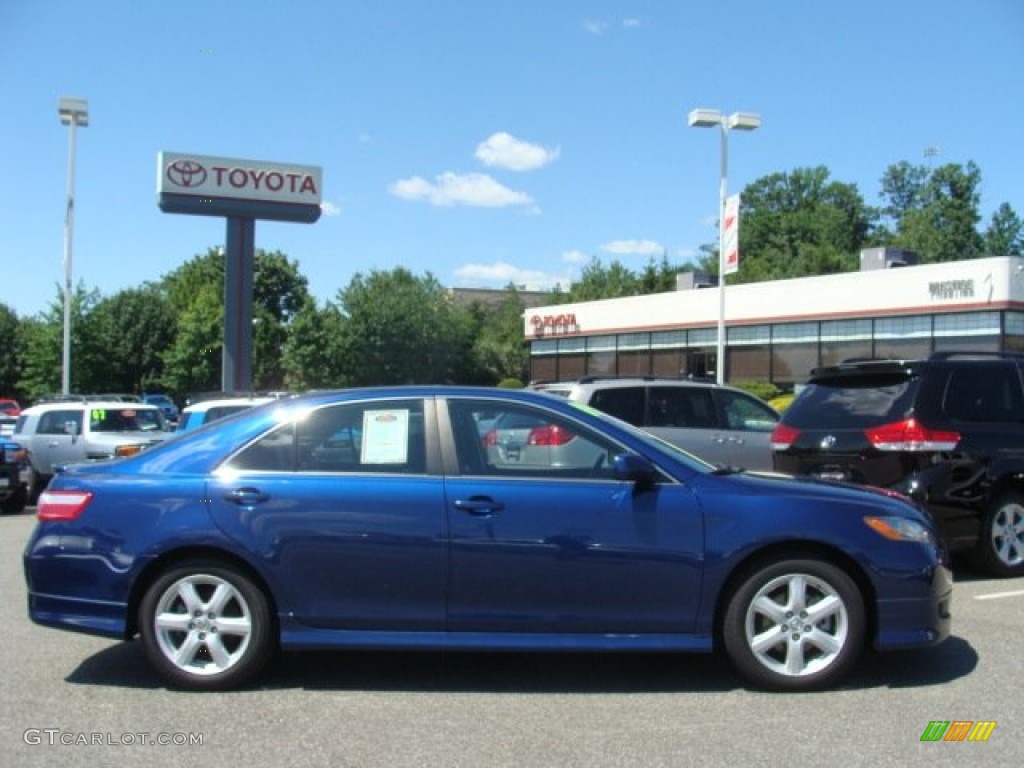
{"x":62,"y":505}
{"x":549,"y":434}
{"x":783,"y":436}
{"x":909,"y":435}
{"x":491,"y":438}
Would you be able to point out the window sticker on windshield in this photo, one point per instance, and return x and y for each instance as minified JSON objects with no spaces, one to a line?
{"x":385,"y":437}
{"x":97,"y":414}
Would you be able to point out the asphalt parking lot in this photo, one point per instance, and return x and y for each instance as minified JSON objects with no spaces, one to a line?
{"x":78,"y":700}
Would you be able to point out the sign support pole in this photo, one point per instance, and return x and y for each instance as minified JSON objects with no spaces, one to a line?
{"x":239,"y":258}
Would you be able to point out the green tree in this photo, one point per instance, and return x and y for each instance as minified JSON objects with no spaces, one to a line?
{"x":312,"y":352}
{"x":600,"y":282}
{"x":43,"y":347}
{"x":130,"y":331}
{"x":280,"y":291}
{"x":798,"y":224}
{"x":10,"y":352}
{"x":935,"y":213}
{"x":500,"y":350}
{"x":401,"y":329}
{"x":1005,"y":233}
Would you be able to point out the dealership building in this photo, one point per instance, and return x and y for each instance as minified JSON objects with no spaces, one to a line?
{"x":778,"y":331}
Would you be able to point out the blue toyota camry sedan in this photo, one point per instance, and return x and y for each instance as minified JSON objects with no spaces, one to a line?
{"x":461,"y":518}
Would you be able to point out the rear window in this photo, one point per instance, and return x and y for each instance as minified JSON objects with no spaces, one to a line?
{"x":852,"y":402}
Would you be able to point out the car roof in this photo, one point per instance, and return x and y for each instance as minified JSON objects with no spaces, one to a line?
{"x":206,"y":405}
{"x":66,"y":405}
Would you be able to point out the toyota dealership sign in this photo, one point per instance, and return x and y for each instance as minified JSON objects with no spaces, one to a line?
{"x":224,"y":186}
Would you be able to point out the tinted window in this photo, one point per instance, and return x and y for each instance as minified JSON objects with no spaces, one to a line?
{"x":53,"y":422}
{"x":383,"y":436}
{"x":682,"y":407}
{"x":626,"y":403}
{"x":984,"y":394}
{"x":853,"y":402}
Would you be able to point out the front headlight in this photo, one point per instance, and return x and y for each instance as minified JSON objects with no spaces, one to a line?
{"x":898,"y":528}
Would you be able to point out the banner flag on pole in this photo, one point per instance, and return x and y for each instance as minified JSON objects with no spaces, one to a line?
{"x":731,"y":235}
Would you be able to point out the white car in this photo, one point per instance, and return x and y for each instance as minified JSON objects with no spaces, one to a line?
{"x":73,"y":431}
{"x":205,"y":411}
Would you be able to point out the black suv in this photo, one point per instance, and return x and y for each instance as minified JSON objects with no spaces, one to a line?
{"x":947,"y":431}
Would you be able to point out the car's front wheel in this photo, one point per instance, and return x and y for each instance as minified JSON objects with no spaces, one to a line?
{"x":794,"y":625}
{"x":206,"y":626}
{"x":1000,"y":549}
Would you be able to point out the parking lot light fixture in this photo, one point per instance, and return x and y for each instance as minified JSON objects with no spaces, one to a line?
{"x":739,"y":121}
{"x":73,"y":113}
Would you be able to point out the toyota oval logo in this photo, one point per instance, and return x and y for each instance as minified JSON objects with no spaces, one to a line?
{"x":186,"y":173}
{"x":828,"y":442}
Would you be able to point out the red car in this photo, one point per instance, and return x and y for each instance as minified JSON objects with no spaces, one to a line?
{"x":10,"y":407}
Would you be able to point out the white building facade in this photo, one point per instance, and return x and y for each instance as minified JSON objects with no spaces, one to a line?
{"x":779,"y":331}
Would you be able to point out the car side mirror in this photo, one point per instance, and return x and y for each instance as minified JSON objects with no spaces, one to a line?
{"x":635,"y":469}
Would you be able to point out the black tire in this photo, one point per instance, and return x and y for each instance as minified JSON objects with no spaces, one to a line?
{"x":36,"y":485}
{"x":1000,"y":548}
{"x":794,"y":625}
{"x":217,"y":616}
{"x":15,"y":503}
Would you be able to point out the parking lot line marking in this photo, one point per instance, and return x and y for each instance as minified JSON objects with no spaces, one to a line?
{"x":998,"y":595}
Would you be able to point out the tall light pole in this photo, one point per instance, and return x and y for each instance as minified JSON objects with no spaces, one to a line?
{"x":73,"y":113}
{"x":742,"y":121}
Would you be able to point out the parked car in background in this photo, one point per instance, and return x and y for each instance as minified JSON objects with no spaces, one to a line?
{"x":165,"y":404}
{"x":9,"y":407}
{"x":381,"y":518}
{"x":947,"y":432}
{"x":7,"y":424}
{"x":720,"y":424}
{"x":205,"y":411}
{"x":13,"y":477}
{"x":69,"y":431}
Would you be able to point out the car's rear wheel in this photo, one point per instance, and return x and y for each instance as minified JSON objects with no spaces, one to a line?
{"x":1000,"y":549}
{"x":206,"y":626}
{"x":794,"y":625}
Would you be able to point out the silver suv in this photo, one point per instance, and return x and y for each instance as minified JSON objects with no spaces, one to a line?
{"x":69,"y":432}
{"x":720,"y":424}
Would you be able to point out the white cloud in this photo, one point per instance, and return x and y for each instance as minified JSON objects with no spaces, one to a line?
{"x":475,"y":189}
{"x":575,"y":257}
{"x":631,"y":23}
{"x":596,"y":27}
{"x":328,"y":208}
{"x":503,"y":150}
{"x":634,"y":247}
{"x":500,"y":274}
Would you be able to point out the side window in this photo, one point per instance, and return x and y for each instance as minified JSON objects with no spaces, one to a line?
{"x":682,"y":407}
{"x":626,"y":403}
{"x":991,"y":394}
{"x":524,"y":441}
{"x":53,"y":422}
{"x":745,"y":413}
{"x":382,"y":436}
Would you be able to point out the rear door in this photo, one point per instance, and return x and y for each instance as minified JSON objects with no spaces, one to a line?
{"x":58,"y":439}
{"x":347,"y":511}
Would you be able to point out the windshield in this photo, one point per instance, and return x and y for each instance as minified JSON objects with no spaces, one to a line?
{"x":125,"y":420}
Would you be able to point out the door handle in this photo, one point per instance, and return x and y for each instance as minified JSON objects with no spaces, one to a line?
{"x":479,"y":506}
{"x":246,"y":496}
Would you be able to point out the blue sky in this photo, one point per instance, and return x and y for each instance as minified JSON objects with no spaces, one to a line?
{"x":483,"y":142}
